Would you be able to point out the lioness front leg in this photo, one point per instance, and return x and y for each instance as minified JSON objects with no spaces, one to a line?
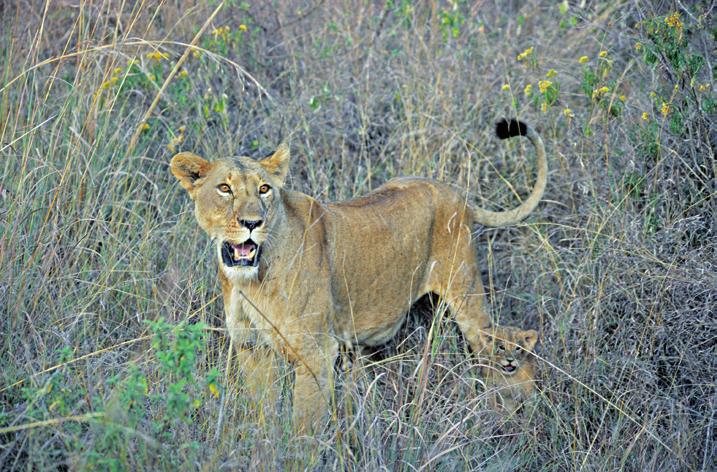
{"x":257,"y":364}
{"x":313,"y":388}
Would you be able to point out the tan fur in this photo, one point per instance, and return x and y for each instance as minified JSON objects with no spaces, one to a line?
{"x":509,"y":373}
{"x":337,"y":273}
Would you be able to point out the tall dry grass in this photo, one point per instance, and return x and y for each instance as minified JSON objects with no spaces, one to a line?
{"x":616,"y":268}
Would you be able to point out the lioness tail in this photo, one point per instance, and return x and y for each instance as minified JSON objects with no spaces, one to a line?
{"x":505,"y":129}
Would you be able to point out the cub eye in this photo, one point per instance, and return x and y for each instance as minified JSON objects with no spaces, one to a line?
{"x":224,"y":188}
{"x":501,"y":347}
{"x":264,"y":189}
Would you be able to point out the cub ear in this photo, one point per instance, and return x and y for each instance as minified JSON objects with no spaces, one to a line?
{"x":485,"y":336}
{"x":277,"y":165}
{"x":188,"y":168}
{"x":530,"y":337}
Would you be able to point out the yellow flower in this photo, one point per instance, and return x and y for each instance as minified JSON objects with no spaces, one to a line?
{"x":638,"y":46}
{"x":117,"y":70}
{"x":665,"y":108}
{"x":583,"y":59}
{"x":157,"y":56}
{"x":551,"y":73}
{"x":243,"y":27}
{"x":113,"y":80}
{"x":214,"y":390}
{"x":645,"y":116}
{"x":183,"y":73}
{"x":196,"y":54}
{"x":528,"y":89}
{"x":622,"y":98}
{"x":600,"y":91}
{"x":221,"y":32}
{"x":544,"y":85}
{"x":653,"y":94}
{"x":177,"y":140}
{"x":603,"y":54}
{"x":673,"y":21}
{"x":144,"y":127}
{"x":568,"y":113}
{"x":106,"y":85}
{"x":544,"y":107}
{"x":524,"y":54}
{"x":703,"y":87}
{"x":505,"y":87}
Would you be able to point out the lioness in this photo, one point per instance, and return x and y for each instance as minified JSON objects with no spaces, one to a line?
{"x":301,"y":277}
{"x":509,"y":372}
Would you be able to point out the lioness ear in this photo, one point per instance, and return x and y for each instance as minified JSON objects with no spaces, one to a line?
{"x":277,"y":165}
{"x":188,"y":168}
{"x":530,"y":337}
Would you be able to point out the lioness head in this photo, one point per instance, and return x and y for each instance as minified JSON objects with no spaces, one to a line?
{"x":236,"y":201}
{"x":508,"y":347}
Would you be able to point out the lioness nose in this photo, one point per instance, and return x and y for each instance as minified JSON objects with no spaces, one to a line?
{"x":250,"y":224}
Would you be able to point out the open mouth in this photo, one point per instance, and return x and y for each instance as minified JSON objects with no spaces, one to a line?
{"x":509,"y":369}
{"x":244,"y":254}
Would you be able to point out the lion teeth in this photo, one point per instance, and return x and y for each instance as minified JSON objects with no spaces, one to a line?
{"x":251,"y":253}
{"x":236,"y":254}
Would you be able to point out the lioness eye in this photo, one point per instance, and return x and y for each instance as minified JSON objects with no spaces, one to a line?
{"x":224,"y":188}
{"x":263,"y":189}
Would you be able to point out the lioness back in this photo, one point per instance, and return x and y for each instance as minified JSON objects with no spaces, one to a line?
{"x":390,"y":237}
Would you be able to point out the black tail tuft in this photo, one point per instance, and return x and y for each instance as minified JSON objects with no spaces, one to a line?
{"x":505,"y":129}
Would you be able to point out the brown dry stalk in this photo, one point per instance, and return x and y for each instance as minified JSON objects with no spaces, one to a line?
{"x":50,"y":422}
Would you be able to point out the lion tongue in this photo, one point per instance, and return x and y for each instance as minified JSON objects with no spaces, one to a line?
{"x":243,"y":251}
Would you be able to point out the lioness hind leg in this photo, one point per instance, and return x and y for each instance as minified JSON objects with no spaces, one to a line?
{"x":471,"y":317}
{"x":461,"y":288}
{"x":454,"y":275}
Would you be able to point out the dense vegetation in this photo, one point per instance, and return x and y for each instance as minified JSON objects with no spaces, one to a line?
{"x":113,"y":350}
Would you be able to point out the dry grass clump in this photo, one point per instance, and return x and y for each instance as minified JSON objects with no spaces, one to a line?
{"x":113,"y":351}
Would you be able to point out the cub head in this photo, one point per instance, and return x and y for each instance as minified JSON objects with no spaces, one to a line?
{"x":237,"y":203}
{"x":508,"y":347}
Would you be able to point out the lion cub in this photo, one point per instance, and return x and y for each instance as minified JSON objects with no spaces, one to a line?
{"x":509,"y":373}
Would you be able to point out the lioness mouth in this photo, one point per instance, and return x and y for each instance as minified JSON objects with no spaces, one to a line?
{"x":509,"y":369}
{"x":244,"y":254}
